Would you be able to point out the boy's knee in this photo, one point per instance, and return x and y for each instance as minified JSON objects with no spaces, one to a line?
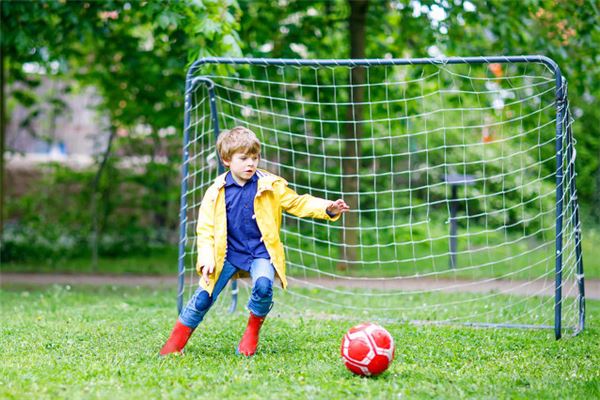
{"x":263,"y":288}
{"x":203,"y":301}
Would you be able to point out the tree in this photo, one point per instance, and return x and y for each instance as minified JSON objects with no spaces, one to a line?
{"x":567,"y":31}
{"x":327,"y":30}
{"x":357,"y":26}
{"x":135,"y":54}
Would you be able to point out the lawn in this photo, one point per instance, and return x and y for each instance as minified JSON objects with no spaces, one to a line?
{"x":78,"y":342}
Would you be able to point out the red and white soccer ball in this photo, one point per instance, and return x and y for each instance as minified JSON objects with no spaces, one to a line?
{"x":367,"y":349}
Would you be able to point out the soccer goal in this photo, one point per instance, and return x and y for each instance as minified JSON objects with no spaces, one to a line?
{"x":460,"y":174}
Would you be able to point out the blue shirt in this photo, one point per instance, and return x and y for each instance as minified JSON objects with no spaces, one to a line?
{"x":244,"y":242}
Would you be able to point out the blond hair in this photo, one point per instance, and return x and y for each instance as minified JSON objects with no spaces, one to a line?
{"x":237,"y":140}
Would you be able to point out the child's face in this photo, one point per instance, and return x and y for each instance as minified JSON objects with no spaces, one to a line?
{"x":242,"y":166}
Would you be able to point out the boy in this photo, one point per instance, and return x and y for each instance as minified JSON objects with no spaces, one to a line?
{"x":238,"y":231}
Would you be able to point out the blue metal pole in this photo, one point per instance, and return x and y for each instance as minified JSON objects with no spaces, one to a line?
{"x":375,"y":61}
{"x":560,"y":107}
{"x":183,"y":202}
{"x":453,"y":226}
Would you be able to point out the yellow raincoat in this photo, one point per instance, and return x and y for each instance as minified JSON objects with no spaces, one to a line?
{"x":272,"y":197}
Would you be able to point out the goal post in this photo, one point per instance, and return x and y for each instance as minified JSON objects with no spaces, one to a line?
{"x":462,"y":171}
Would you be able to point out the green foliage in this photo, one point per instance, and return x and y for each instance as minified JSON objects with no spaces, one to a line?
{"x":31,"y":252}
{"x":137,"y":211}
{"x":567,"y":31}
{"x":424,"y":124}
{"x":103,"y":343}
{"x":153,"y":261}
{"x":136,"y":53}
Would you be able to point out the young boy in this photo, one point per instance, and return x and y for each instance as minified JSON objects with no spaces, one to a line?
{"x":238,"y":231}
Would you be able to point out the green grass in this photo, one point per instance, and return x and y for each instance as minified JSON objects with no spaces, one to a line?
{"x":61,"y":342}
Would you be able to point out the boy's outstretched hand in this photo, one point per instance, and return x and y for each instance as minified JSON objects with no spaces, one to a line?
{"x":337,"y":207}
{"x":207,"y":269}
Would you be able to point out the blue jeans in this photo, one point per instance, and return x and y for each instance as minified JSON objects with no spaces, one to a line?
{"x":261,"y":300}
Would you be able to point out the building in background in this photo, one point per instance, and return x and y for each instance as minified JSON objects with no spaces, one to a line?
{"x":61,"y":127}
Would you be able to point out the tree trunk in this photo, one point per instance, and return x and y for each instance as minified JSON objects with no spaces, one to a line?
{"x":95,"y":195}
{"x":354,"y":129}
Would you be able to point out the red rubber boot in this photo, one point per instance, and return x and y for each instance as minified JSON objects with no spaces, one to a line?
{"x":249,"y":341}
{"x":177,"y":340}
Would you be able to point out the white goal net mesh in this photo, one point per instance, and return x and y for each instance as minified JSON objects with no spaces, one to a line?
{"x":450,"y":171}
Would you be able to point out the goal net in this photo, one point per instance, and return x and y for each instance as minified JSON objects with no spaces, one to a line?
{"x":459,"y":173}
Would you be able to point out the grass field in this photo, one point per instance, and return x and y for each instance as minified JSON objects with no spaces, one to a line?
{"x":62,"y":342}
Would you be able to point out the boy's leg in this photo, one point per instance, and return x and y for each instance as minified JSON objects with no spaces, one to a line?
{"x":194,"y":312}
{"x":263,"y":275}
{"x":261,"y":300}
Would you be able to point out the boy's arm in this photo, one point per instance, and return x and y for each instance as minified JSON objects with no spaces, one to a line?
{"x":205,"y":237}
{"x":306,"y":205}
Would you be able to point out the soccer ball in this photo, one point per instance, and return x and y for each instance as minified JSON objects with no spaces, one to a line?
{"x":367,"y":349}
